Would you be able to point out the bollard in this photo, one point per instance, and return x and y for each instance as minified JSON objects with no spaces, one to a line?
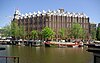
{"x":6,"y":59}
{"x":18,"y":59}
{"x":14,"y":59}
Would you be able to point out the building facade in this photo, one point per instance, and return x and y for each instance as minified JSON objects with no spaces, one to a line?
{"x":92,"y":26}
{"x":93,"y":30}
{"x":98,"y":24}
{"x":56,"y":20}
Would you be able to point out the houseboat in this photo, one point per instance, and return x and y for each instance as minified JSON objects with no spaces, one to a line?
{"x":62,"y":44}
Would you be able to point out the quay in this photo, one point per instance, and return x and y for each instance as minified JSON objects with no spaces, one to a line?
{"x":41,"y":43}
{"x":95,"y":49}
{"x":22,"y":42}
{"x":36,"y":43}
{"x":9,"y":59}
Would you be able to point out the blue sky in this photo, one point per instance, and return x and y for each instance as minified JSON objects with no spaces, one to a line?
{"x":89,"y":7}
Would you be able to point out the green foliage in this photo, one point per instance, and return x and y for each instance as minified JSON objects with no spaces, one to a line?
{"x":47,"y":32}
{"x":6,"y":31}
{"x":98,"y":33}
{"x":34,"y":34}
{"x":93,"y":34}
{"x":62,"y":32}
{"x":77,"y":31}
{"x":22,"y":32}
{"x":14,"y":30}
{"x":17,"y":31}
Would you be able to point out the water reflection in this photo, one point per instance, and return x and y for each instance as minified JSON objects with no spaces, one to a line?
{"x":48,"y":55}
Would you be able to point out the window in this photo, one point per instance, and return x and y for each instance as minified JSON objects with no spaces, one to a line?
{"x":86,"y":20}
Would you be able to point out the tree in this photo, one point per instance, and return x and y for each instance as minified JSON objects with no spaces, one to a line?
{"x":17,"y":30}
{"x":93,"y":34}
{"x":77,"y":31}
{"x":98,"y":33}
{"x":62,"y":33}
{"x":6,"y":31}
{"x":47,"y":32}
{"x":14,"y":30}
{"x":34,"y":34}
{"x":22,"y":32}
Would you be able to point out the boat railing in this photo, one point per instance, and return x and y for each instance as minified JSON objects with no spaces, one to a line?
{"x":9,"y":59}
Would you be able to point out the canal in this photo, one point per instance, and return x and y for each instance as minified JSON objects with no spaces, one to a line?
{"x":28,"y":54}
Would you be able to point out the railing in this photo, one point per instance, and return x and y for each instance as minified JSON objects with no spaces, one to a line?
{"x":9,"y":59}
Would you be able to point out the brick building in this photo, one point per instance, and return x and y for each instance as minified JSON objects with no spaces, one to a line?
{"x":92,"y":30}
{"x":98,"y":24}
{"x":54,"y":19}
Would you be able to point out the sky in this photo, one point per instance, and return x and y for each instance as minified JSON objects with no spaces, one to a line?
{"x":7,"y":8}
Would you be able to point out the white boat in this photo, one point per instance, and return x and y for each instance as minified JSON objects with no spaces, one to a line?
{"x":65,"y":44}
{"x":97,"y":43}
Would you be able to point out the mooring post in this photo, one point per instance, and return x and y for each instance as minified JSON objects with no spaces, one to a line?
{"x":6,"y":59}
{"x":14,"y":59}
{"x":18,"y":59}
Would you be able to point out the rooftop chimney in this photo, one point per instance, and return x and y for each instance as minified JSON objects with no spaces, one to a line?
{"x":61,"y":10}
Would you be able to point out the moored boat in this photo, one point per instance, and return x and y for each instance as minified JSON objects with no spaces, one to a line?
{"x":2,"y":48}
{"x":62,"y":44}
{"x":47,"y":44}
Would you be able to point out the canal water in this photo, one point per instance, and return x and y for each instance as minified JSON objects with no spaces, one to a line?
{"x":28,"y":54}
